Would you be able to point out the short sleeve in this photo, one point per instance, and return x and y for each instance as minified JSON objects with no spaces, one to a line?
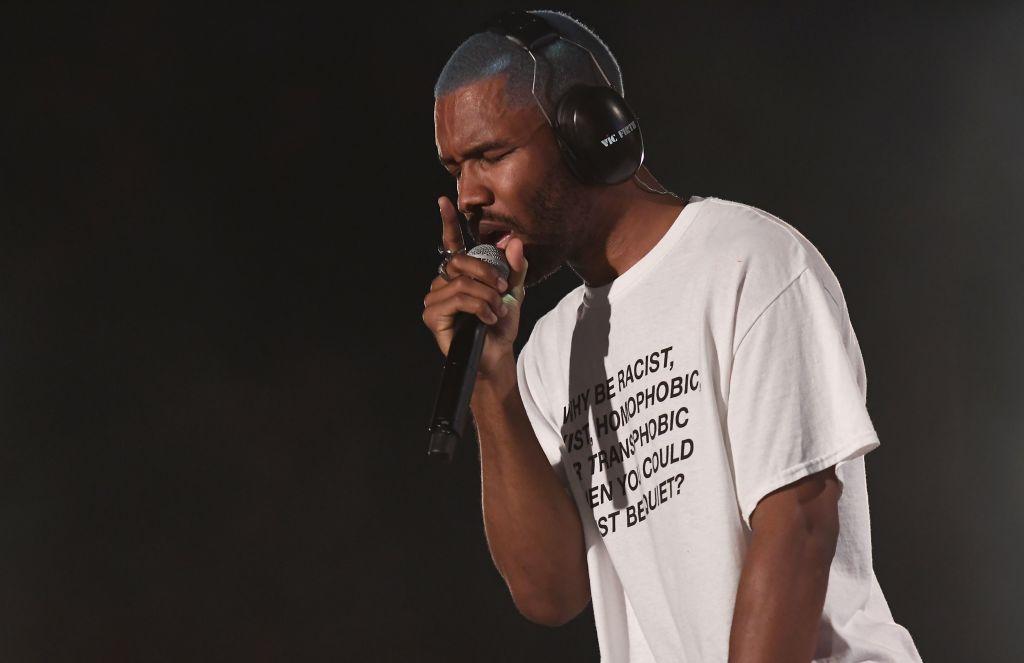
{"x":532,"y":394}
{"x":795,"y":405}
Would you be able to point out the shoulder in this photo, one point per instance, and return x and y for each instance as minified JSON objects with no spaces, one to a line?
{"x":745,"y":231}
{"x":760,"y":255}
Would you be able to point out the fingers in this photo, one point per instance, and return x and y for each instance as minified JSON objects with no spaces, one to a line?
{"x":451,"y":231}
{"x":478,"y":269}
{"x":434,"y":314}
{"x":518,"y":265}
{"x":467,"y":295}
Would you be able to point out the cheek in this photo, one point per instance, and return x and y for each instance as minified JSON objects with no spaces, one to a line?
{"x":518,"y":177}
{"x":514,"y":185}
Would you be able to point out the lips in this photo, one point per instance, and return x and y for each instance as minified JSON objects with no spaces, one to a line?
{"x":491,"y":232}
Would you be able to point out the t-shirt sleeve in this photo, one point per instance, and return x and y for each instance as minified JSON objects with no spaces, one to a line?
{"x":795,"y":405}
{"x":532,"y":393}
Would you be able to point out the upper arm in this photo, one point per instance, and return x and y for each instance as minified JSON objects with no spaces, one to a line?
{"x":795,"y":404}
{"x":809,"y":505}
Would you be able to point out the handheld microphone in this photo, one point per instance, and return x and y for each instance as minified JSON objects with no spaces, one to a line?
{"x":460,"y":366}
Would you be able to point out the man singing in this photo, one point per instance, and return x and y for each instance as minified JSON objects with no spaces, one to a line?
{"x":681,"y":439}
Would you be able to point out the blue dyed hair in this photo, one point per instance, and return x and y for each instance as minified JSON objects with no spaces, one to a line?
{"x":560,"y":65}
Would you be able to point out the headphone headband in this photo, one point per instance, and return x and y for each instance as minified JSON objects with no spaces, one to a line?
{"x":527,"y":30}
{"x":597,"y":132}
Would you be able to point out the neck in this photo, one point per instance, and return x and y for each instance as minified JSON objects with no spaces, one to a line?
{"x":628,"y":222}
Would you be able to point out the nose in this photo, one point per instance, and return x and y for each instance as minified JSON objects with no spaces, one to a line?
{"x":474,"y":193}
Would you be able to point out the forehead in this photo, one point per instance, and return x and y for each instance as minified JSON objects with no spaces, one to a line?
{"x":478,"y":113}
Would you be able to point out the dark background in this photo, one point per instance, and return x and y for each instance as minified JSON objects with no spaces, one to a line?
{"x":217,"y":231}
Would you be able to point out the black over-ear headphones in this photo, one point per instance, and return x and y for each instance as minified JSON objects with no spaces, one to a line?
{"x":597,"y":132}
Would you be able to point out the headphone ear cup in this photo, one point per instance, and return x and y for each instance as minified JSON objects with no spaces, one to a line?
{"x":600,"y":132}
{"x":572,"y":161}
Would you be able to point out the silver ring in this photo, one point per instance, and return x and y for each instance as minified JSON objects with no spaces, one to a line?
{"x":444,"y":251}
{"x":447,"y":254}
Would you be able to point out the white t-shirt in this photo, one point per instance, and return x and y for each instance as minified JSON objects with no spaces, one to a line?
{"x":718,"y":368}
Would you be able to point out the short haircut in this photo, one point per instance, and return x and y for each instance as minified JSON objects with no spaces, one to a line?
{"x":560,"y":65}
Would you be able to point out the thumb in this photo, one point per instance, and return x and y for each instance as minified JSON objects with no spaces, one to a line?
{"x":517,"y":265}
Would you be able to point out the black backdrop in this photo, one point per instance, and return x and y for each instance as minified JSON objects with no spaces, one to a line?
{"x":217,"y":231}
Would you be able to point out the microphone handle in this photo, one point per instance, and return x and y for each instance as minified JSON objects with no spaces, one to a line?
{"x":457,"y":380}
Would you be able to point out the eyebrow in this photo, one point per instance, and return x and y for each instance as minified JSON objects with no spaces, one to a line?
{"x":476,"y":151}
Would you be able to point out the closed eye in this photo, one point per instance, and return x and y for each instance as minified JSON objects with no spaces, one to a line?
{"x":499,"y":157}
{"x":486,"y":160}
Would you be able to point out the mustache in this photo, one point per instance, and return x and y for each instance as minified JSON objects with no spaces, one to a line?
{"x":501,"y":218}
{"x":509,"y":221}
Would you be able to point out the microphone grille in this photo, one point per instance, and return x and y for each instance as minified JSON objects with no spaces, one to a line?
{"x":493,"y":256}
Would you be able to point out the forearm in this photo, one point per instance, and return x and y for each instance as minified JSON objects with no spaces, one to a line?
{"x":532,"y":526}
{"x":780,"y":596}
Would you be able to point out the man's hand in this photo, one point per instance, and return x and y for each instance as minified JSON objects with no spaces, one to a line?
{"x":785,"y":574}
{"x":531,"y":522}
{"x":475,"y":288}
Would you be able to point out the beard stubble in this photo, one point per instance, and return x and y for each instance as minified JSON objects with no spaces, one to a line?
{"x":560,"y":209}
